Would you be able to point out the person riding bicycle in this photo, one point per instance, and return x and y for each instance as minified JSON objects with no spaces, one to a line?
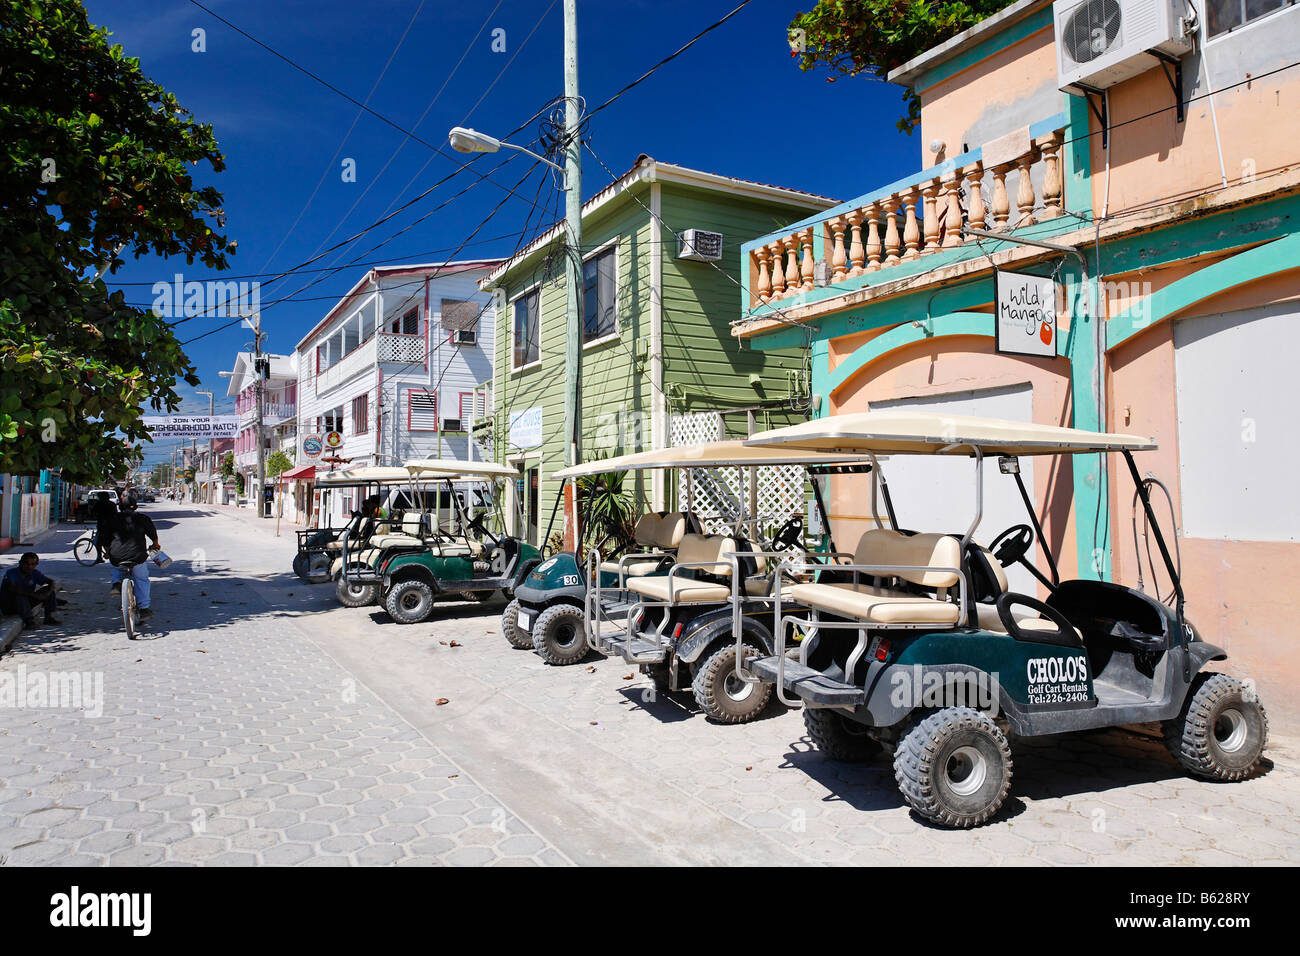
{"x":128,"y":546}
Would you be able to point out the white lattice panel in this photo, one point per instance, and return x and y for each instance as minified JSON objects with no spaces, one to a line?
{"x":400,"y":348}
{"x":721,"y":495}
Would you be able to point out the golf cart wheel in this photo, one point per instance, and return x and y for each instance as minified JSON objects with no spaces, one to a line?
{"x":510,"y":628}
{"x":409,"y":601}
{"x":300,"y":562}
{"x":356,"y":593}
{"x":724,"y":696}
{"x":954,"y":767}
{"x":1221,"y":731}
{"x":559,"y":636}
{"x":838,"y":737}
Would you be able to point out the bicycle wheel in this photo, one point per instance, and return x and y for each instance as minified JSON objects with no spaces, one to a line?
{"x":83,"y":549}
{"x":129,"y":617}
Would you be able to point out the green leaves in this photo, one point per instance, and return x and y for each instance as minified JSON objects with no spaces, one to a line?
{"x":96,"y":162}
{"x":876,"y":36}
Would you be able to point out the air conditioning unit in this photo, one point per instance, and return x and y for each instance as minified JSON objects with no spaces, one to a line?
{"x":464,"y":337}
{"x":699,"y":246}
{"x":452,"y":425}
{"x":1103,"y":42}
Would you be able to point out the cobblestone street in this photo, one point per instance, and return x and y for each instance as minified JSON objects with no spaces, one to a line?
{"x":259,"y":721}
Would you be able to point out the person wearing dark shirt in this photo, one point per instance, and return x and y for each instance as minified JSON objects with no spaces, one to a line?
{"x":104,"y":511}
{"x":23,"y":589}
{"x":128,"y":546}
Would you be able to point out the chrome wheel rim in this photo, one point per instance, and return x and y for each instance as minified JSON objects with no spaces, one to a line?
{"x":735,"y":688}
{"x":965,"y":771}
{"x":1231,"y":730}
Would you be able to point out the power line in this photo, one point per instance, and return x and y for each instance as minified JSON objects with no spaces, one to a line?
{"x":347,"y":96}
{"x":668,"y":59}
{"x":338,"y":149}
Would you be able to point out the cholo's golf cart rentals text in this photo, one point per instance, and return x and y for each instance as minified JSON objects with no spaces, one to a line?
{"x":915,"y":644}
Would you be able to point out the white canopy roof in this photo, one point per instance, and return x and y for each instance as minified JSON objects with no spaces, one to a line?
{"x":714,"y":454}
{"x":930,"y":433}
{"x":451,"y":468}
{"x":357,"y":476}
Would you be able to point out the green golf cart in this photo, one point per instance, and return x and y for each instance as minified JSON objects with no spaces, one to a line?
{"x":677,"y":608}
{"x":469,"y":558}
{"x":914,"y":644}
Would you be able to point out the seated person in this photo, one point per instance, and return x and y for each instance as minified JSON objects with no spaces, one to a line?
{"x":23,"y":588}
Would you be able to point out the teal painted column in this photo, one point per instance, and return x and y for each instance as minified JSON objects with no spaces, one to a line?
{"x":821,"y":371}
{"x":1091,"y":498}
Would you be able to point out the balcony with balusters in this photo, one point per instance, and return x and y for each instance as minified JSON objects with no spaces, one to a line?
{"x":907,"y":233}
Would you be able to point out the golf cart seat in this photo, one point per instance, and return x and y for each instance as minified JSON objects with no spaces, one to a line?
{"x":873,"y":603}
{"x":707,"y":584}
{"x":653,"y":533}
{"x":405,"y":535}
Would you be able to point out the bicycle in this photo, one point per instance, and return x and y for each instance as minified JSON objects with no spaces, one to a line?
{"x":130,"y":611}
{"x":86,"y":548}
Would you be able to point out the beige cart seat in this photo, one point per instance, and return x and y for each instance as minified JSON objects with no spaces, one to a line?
{"x":874,"y":604}
{"x":652,"y":533}
{"x":692,"y":549}
{"x":987,"y":617}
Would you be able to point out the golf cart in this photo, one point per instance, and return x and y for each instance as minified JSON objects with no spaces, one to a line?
{"x":680,"y":615}
{"x":319,"y":548}
{"x":467,"y":560}
{"x":916,"y":645}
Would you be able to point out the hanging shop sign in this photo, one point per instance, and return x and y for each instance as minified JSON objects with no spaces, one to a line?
{"x":312,"y":446}
{"x":162,"y":427}
{"x":333,"y":440}
{"x":1026,"y":314}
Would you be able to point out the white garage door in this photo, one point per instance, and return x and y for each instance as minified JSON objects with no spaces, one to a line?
{"x":938,"y":494}
{"x":1237,"y":398}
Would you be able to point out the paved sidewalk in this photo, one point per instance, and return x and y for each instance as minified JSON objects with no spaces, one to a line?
{"x":226,"y":738}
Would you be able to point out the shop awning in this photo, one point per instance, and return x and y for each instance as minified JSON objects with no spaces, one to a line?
{"x":301,"y":473}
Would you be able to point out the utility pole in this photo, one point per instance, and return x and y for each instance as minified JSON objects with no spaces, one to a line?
{"x":573,"y":243}
{"x":257,"y":385}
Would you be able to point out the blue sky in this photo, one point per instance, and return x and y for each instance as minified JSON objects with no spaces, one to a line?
{"x":735,"y":103}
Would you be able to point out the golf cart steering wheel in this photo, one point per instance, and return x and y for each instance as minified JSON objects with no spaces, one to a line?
{"x":789,"y":534}
{"x":1013,"y":544}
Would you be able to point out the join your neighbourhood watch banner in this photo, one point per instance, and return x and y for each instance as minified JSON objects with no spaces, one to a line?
{"x":191,"y":426}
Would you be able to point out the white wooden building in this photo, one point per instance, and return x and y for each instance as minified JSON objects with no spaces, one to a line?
{"x":392,"y":367}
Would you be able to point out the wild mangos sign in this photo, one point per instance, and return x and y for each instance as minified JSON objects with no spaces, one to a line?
{"x":1026,"y":314}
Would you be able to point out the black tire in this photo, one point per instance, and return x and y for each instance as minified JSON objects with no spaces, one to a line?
{"x":300,"y":566}
{"x":559,"y":636}
{"x":838,"y":737}
{"x":510,"y":628}
{"x":312,"y":568}
{"x":1220,"y":732}
{"x":722,"y":695}
{"x":954,"y":767}
{"x":356,"y":593}
{"x":409,"y":601}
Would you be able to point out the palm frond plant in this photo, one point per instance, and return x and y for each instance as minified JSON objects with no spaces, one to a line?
{"x":609,"y":511}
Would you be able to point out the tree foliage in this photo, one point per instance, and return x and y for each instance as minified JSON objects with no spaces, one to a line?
{"x":278,"y":463}
{"x":852,"y":37}
{"x":95,"y":164}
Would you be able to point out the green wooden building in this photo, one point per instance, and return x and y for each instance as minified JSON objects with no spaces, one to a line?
{"x":660,"y":367}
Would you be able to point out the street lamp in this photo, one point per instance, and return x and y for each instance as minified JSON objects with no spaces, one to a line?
{"x":465,"y":140}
